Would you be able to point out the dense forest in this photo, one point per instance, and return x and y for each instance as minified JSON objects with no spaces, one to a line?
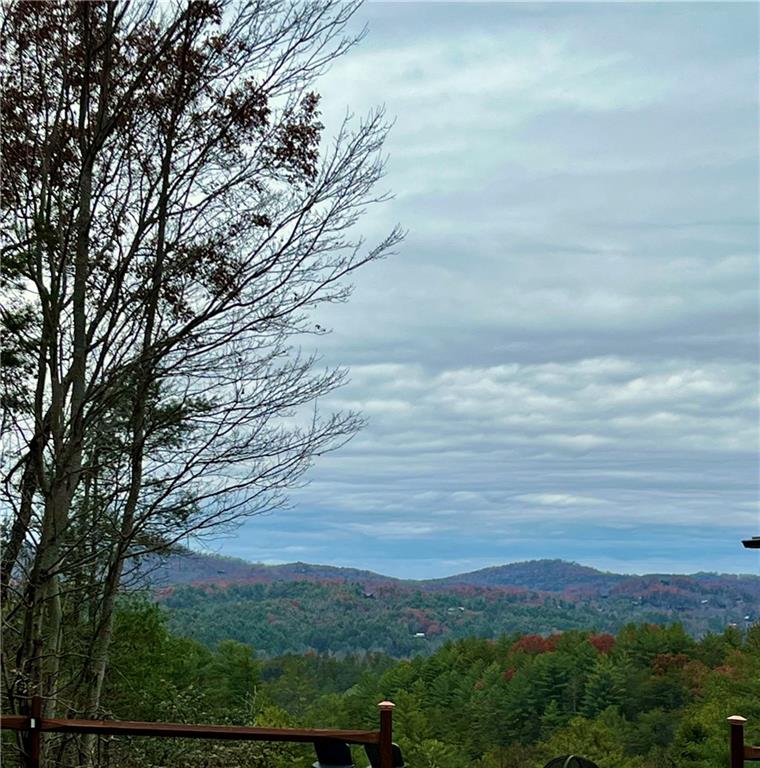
{"x":648,"y":697}
{"x":403,"y":618}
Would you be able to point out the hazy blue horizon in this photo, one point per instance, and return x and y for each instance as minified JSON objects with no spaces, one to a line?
{"x":399,"y":575}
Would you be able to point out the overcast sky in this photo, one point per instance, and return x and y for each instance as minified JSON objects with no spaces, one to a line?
{"x":562,"y":359}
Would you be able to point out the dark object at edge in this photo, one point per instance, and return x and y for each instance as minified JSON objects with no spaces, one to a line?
{"x":333,"y":754}
{"x":373,"y":754}
{"x":570,"y":761}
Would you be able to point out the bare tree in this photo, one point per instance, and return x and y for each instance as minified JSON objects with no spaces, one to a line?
{"x":171,"y":219}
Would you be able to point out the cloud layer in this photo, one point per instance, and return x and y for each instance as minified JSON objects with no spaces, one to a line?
{"x":563,"y":359}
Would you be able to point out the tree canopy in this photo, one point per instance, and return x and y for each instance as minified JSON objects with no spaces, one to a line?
{"x":173,"y":216}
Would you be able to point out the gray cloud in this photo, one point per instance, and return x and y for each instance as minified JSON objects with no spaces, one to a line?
{"x":565,"y":349}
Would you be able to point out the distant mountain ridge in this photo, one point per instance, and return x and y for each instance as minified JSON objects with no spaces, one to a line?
{"x":544,"y":575}
{"x":200,"y":568}
{"x":301,"y":607}
{"x":561,"y":577}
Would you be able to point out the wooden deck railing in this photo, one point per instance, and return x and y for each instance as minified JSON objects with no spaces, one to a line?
{"x":738,"y":749}
{"x":35,"y":725}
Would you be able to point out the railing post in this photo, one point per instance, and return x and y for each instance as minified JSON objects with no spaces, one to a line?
{"x":35,"y":734}
{"x":736,"y":744}
{"x":386,"y":733}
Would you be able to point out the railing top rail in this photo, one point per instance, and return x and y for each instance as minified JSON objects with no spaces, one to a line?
{"x":181,"y":730}
{"x":14,"y":722}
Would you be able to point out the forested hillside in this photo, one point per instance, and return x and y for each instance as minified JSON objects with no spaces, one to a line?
{"x":297,"y":617}
{"x":188,"y":567}
{"x":647,"y":697}
{"x":299,"y":607}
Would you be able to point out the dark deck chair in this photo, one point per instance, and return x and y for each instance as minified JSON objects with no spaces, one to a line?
{"x":373,"y":754}
{"x":333,"y":754}
{"x":570,"y":761}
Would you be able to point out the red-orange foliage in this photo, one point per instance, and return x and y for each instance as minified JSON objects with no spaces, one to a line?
{"x":535,"y":644}
{"x":508,"y":674}
{"x":663,"y":663}
{"x":726,"y":671}
{"x":603,"y":643}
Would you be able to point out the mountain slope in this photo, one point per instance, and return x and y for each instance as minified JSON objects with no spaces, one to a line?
{"x":545,"y":575}
{"x":199,"y":568}
{"x":299,"y":607}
